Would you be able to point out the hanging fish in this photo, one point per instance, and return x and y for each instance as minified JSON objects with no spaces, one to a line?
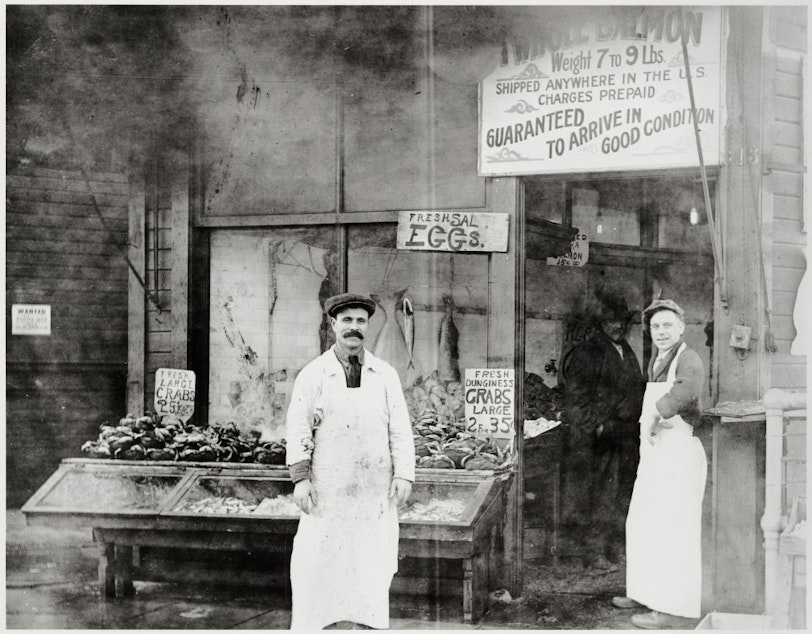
{"x":408,"y":328}
{"x":449,"y":368}
{"x":390,"y":344}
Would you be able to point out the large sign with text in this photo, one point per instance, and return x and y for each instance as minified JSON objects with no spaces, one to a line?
{"x":611,"y":94}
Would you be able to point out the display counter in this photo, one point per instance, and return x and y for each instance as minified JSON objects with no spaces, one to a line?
{"x":165,"y":521}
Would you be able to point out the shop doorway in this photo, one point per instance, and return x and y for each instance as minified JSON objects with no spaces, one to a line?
{"x":592,"y":240}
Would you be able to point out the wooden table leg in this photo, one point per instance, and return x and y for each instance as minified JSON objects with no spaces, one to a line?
{"x":467,"y":589}
{"x":479,"y":585}
{"x":107,"y":584}
{"x":124,"y":571}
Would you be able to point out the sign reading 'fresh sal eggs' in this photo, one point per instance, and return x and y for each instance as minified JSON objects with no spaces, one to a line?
{"x":452,"y":231}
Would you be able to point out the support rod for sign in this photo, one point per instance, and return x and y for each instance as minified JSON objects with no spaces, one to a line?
{"x":717,"y":255}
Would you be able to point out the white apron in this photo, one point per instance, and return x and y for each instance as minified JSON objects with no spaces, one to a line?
{"x":664,"y":524}
{"x":345,"y":551}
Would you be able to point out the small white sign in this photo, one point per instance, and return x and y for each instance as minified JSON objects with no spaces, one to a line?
{"x":489,"y":398}
{"x":31,"y":319}
{"x":175,"y":393}
{"x":452,"y":231}
{"x":578,"y":255}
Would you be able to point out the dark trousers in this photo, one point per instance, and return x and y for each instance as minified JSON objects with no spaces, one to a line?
{"x":597,"y":477}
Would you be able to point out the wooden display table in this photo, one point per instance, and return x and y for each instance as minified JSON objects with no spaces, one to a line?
{"x":143,"y":519}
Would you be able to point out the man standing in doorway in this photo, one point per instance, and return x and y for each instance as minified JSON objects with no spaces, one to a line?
{"x":351,"y":455}
{"x":664,"y":525}
{"x":603,"y":393}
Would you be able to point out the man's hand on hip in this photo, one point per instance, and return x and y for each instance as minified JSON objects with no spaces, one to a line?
{"x":304,"y":494}
{"x":400,"y":489}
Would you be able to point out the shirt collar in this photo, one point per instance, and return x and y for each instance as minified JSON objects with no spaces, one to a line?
{"x":345,"y":358}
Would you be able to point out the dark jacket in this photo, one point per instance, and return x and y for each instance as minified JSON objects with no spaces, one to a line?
{"x":683,"y":397}
{"x":600,"y":387}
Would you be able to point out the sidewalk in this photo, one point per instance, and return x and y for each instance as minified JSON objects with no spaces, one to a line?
{"x":51,"y":584}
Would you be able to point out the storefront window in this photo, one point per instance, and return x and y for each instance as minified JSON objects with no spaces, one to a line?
{"x":266,"y":320}
{"x":648,"y":212}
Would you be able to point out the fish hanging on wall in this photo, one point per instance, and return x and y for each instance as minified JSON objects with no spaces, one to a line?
{"x":408,"y":329}
{"x":395,"y":341}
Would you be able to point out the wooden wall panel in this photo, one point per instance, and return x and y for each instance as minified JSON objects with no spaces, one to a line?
{"x":59,"y":252}
{"x":51,"y":412}
{"x":784,"y":140}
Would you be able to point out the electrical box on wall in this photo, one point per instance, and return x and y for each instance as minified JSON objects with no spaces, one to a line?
{"x":740,"y":337}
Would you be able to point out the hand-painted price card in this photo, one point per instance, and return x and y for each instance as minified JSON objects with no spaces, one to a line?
{"x":175,"y":393}
{"x":489,"y":398}
{"x":452,"y":231}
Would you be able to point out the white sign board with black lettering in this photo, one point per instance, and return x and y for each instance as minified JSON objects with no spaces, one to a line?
{"x":607,"y":93}
{"x":452,"y":231}
{"x":31,"y":319}
{"x":175,"y":393}
{"x":489,"y":397}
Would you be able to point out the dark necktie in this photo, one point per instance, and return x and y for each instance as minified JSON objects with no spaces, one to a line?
{"x":354,"y":378}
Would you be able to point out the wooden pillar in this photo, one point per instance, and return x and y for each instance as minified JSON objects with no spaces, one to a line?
{"x":136,"y":296}
{"x":181,"y":233}
{"x":506,"y":350}
{"x":740,"y":193}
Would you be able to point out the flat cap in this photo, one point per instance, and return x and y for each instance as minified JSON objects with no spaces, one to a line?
{"x":348,"y":300}
{"x":661,"y":304}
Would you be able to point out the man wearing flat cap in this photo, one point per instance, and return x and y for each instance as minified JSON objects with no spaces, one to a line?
{"x":351,"y":456}
{"x":603,"y":392}
{"x":664,"y":524}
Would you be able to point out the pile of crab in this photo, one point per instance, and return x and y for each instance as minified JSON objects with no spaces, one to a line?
{"x":443,"y":445}
{"x":441,"y":441}
{"x":151,"y":437}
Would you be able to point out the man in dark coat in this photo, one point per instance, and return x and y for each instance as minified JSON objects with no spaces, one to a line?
{"x":603,"y":393}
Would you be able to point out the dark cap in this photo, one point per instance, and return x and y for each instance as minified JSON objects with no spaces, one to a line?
{"x":348,"y":300}
{"x":661,"y":304}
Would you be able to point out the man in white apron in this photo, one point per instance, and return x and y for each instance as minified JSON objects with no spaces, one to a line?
{"x":664,"y":524}
{"x":351,"y":455}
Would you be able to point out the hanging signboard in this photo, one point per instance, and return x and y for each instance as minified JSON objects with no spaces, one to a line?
{"x":489,"y":397}
{"x":175,"y":393}
{"x":31,"y":319}
{"x":452,"y":231}
{"x":610,"y":94}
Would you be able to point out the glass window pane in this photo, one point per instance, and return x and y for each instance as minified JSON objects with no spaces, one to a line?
{"x":267,"y":290}
{"x":239,"y":496}
{"x":545,"y":200}
{"x":608,"y":211}
{"x":108,"y":492}
{"x":683,"y":220}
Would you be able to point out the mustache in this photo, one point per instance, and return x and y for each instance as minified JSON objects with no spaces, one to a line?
{"x":353,"y":333}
